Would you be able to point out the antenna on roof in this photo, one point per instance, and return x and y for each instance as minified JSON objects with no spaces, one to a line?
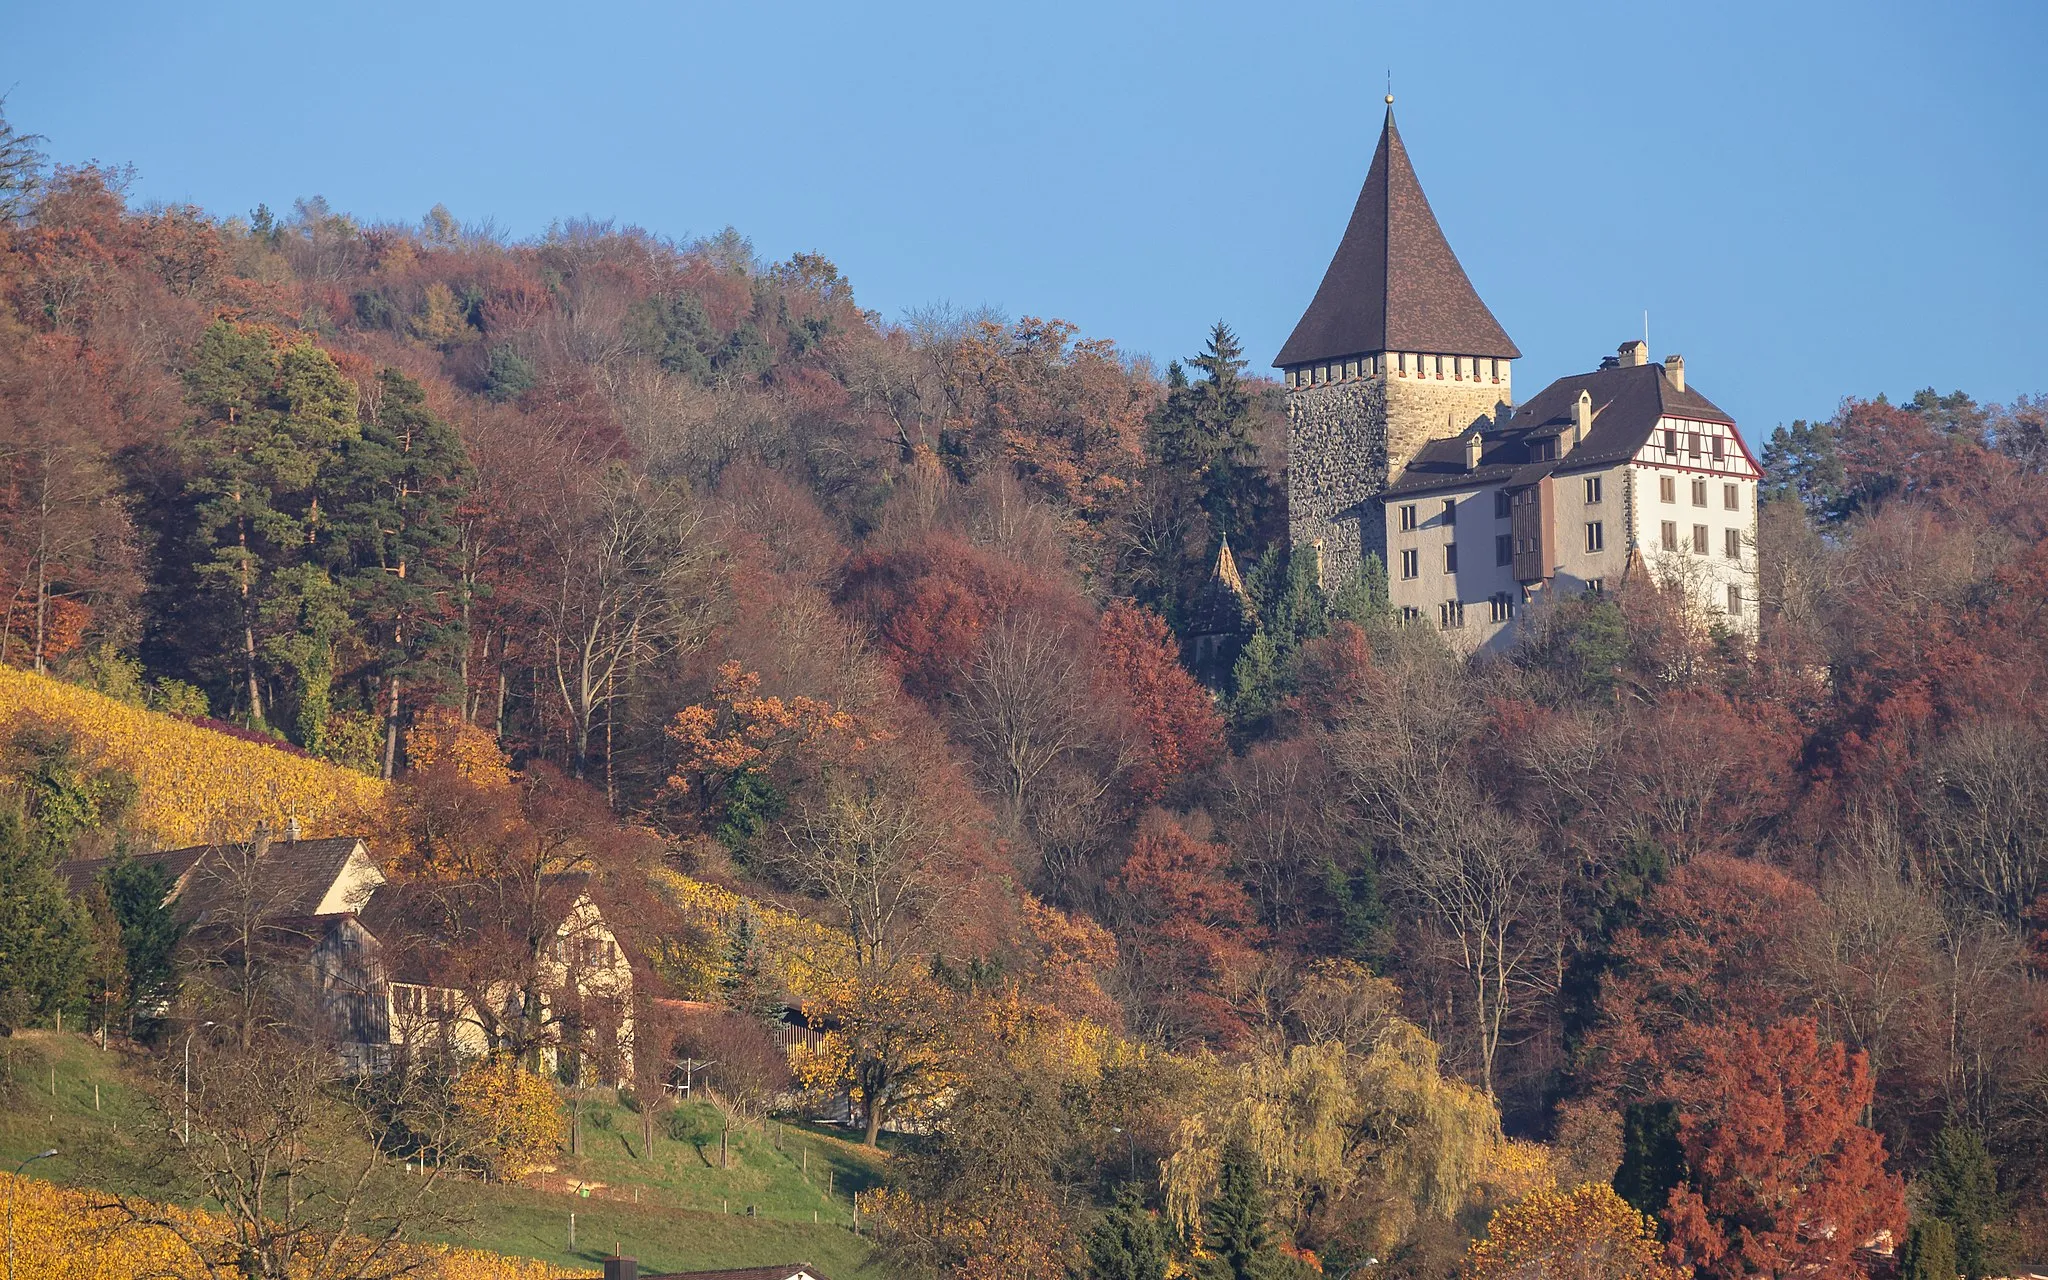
{"x":1390,"y":86}
{"x":1646,"y":331}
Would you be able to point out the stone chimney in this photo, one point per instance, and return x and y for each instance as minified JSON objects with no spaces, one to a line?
{"x":1674,"y":369}
{"x":291,"y":829}
{"x":1473,"y":445}
{"x":1634,"y":352}
{"x":1582,"y":422}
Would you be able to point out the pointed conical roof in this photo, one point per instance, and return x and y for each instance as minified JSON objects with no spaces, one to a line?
{"x":1226,"y":569}
{"x":1394,"y":284}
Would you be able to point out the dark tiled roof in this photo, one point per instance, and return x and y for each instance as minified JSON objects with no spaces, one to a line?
{"x":1627,"y":402}
{"x":290,"y":877}
{"x":784,"y":1272}
{"x":1394,"y":284}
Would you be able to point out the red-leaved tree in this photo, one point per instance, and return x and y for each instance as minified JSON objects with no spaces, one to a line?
{"x":1782,"y":1178}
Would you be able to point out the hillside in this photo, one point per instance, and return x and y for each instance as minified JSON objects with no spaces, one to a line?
{"x":683,"y":1213}
{"x":193,"y":783}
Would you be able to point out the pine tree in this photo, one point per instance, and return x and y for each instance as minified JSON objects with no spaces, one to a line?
{"x":1234,"y":1229}
{"x":389,"y":540}
{"x":1128,"y":1242}
{"x":1651,"y":1161}
{"x":1255,"y":683}
{"x":1961,"y":1187}
{"x":269,"y":421}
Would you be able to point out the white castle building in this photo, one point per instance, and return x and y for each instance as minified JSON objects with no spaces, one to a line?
{"x":1404,"y":442}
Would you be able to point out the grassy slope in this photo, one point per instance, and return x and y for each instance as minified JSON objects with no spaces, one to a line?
{"x":677,"y":1225}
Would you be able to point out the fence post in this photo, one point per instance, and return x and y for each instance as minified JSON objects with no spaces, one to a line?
{"x":572,"y":1228}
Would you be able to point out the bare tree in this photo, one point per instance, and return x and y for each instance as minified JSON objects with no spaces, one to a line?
{"x":1986,"y":804}
{"x":299,"y":1159}
{"x":876,"y":852}
{"x":623,"y":563}
{"x":747,"y":1072}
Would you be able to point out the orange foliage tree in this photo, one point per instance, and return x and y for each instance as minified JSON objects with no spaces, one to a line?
{"x":1187,"y":928}
{"x":1182,"y":730}
{"x":1782,"y":1178}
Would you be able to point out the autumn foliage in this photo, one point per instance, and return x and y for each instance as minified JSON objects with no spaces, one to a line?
{"x":1587,"y":1233}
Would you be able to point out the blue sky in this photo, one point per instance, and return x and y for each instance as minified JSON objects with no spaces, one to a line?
{"x":1810,"y":199}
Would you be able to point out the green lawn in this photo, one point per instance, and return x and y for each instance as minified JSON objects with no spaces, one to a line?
{"x":691,"y":1214}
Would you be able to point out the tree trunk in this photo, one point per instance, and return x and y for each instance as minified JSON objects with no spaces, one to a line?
{"x":391,"y":733}
{"x":874,"y":1118}
{"x":725,"y":1143}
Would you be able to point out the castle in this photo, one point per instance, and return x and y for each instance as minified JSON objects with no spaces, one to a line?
{"x":1404,"y":442}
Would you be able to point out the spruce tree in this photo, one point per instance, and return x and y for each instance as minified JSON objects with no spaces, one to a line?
{"x":1234,"y":1229}
{"x":1961,"y":1186}
{"x":1651,"y":1160}
{"x":1128,"y":1242}
{"x":150,"y":933}
{"x":1929,"y":1252}
{"x":44,"y":937}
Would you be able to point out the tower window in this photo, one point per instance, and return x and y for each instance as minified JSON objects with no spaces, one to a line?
{"x":1411,"y":563}
{"x":1502,"y":607}
{"x":1692,"y":443}
{"x":1731,"y":496}
{"x":1450,"y":557}
{"x":1699,"y":539}
{"x":1667,"y":488}
{"x":1734,"y":601}
{"x":1671,"y":442}
{"x":1670,"y":532}
{"x":1731,"y":543}
{"x":1452,"y":614}
{"x":1439,"y":366}
{"x":1720,"y":448}
{"x":1596,"y":535}
{"x":1592,"y":489}
{"x":1699,"y":493}
{"x":1450,"y":511}
{"x":1503,"y":505}
{"x":1407,"y":516}
{"x":1504,"y":548}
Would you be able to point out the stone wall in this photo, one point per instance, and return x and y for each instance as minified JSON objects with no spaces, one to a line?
{"x":1346,"y":439}
{"x":1336,"y":466}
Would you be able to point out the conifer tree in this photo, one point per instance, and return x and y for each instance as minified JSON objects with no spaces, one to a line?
{"x":1929,"y":1252}
{"x":43,"y":934}
{"x":1128,"y":1242}
{"x":150,"y":933}
{"x":1234,"y":1230}
{"x":1961,"y":1186}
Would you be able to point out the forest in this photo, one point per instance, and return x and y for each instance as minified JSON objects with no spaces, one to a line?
{"x":1177,"y":930}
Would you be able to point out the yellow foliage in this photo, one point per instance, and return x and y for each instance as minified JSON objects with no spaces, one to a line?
{"x":66,"y":1234}
{"x":1586,"y":1234}
{"x":512,"y":1114}
{"x":441,"y":735}
{"x":195,"y":785}
{"x":807,"y":957}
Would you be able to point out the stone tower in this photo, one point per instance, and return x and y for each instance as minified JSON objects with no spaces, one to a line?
{"x":1395,"y":349}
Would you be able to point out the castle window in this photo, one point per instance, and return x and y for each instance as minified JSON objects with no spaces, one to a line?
{"x":1667,"y":488}
{"x":1409,"y":613}
{"x":1351,"y":368}
{"x":1411,"y":563}
{"x":1504,"y":549}
{"x":1596,"y":586}
{"x":1671,"y":442}
{"x":1720,"y":448}
{"x":1592,"y":489}
{"x":1731,"y":544}
{"x":1734,"y":601}
{"x":1502,"y":607}
{"x":1407,"y":516}
{"x":1401,"y":359}
{"x":1439,"y":366}
{"x":1450,"y":511}
{"x":1731,"y":496}
{"x":1699,"y":539}
{"x":1596,"y":535}
{"x":1692,"y":443}
{"x":1699,"y":493}
{"x":1450,"y":557}
{"x":1503,"y":505}
{"x":1451,"y":614}
{"x":1670,"y":532}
